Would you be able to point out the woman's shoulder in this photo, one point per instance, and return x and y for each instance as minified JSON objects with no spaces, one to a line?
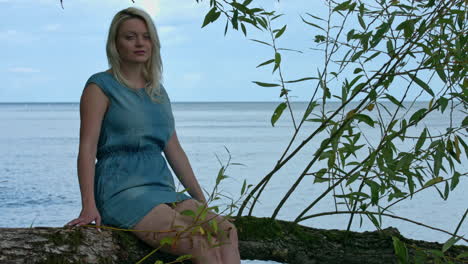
{"x":100,"y":79}
{"x":99,"y":75}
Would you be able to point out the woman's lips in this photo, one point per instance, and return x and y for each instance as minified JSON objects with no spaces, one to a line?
{"x":139,"y":52}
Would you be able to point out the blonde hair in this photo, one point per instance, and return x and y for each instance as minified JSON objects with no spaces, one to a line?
{"x":152,"y":70}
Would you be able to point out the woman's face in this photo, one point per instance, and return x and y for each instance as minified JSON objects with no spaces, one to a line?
{"x":133,"y":41}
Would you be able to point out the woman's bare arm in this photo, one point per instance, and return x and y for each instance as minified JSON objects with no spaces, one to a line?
{"x":180,"y":164}
{"x":93,"y":105}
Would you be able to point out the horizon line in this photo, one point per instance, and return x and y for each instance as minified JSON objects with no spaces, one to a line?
{"x":176,"y":102}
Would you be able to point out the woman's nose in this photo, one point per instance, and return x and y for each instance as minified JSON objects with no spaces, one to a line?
{"x":139,"y":41}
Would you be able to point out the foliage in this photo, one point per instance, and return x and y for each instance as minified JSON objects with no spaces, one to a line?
{"x":376,"y":55}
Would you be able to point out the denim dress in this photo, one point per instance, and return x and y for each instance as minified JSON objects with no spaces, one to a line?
{"x":131,"y":174}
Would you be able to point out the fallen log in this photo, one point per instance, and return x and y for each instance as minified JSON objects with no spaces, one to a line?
{"x":259,"y":238}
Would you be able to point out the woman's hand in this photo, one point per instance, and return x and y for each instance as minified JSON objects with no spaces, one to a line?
{"x":87,"y":215}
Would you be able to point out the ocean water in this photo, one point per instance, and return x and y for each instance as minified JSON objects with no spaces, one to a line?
{"x":39,"y":184}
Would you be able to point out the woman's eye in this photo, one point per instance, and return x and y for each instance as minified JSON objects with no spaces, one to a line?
{"x":129,"y":37}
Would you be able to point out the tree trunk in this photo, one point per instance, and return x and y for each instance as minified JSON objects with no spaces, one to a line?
{"x":260,"y":238}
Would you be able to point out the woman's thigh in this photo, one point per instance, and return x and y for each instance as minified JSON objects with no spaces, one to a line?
{"x":163,"y":221}
{"x":223,"y":224}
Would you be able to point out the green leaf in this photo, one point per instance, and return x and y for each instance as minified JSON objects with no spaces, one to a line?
{"x":350,"y":36}
{"x":280,"y":32}
{"x":188,"y":213}
{"x":266,"y":63}
{"x":364,"y":118}
{"x":211,"y":16}
{"x":277,"y":61}
{"x":408,"y":27}
{"x":343,"y":6}
{"x":455,"y":180}
{"x":465,"y":122}
{"x":400,"y":250}
{"x":275,"y":17}
{"x":438,"y":155}
{"x":417,"y":115}
{"x":239,"y":6}
{"x":247,"y":2}
{"x":375,"y":187}
{"x":303,"y":79}
{"x":262,"y":42}
{"x":436,"y":252}
{"x":373,"y":56}
{"x":421,"y":83}
{"x":355,"y":79}
{"x":166,"y":241}
{"x":309,"y":109}
{"x":353,"y":178}
{"x":357,"y":70}
{"x":284,"y":91}
{"x":316,"y":17}
{"x":261,"y":22}
{"x":433,"y":181}
{"x":298,"y":51}
{"x":361,"y":22}
{"x":411,"y":185}
{"x":421,"y":140}
{"x":357,"y":55}
{"x":243,"y":187}
{"x":374,"y":220}
{"x":390,"y":48}
{"x":358,"y":88}
{"x":443,"y":102}
{"x":226,"y":28}
{"x":447,"y":191}
{"x":214,"y":225}
{"x":244,"y":30}
{"x":183,"y":257}
{"x":331,"y":160}
{"x":312,"y":24}
{"x":441,"y":73}
{"x":277,"y":114}
{"x":393,"y":100}
{"x":405,"y":161}
{"x":221,"y":175}
{"x":234,"y":21}
{"x":465,"y":146}
{"x":266,"y":84}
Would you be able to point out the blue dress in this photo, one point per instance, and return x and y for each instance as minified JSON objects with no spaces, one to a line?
{"x":131,"y":174}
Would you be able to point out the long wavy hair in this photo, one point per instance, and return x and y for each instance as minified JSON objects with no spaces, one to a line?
{"x":152,"y":70}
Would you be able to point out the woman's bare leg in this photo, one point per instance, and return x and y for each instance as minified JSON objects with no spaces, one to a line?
{"x":170,"y":222}
{"x":228,"y":237}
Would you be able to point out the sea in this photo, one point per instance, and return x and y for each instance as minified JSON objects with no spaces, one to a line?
{"x":39,"y":147}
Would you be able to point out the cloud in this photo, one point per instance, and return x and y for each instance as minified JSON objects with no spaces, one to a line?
{"x":166,"y":29}
{"x":51,"y":27}
{"x":171,"y":35}
{"x":23,"y":70}
{"x":192,"y":77}
{"x":12,"y":36}
{"x":164,"y":10}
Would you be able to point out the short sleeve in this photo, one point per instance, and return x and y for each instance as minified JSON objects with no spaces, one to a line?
{"x":168,"y":109}
{"x":97,"y":79}
{"x":164,"y":94}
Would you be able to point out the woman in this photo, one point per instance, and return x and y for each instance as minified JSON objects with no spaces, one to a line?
{"x":126,"y":122}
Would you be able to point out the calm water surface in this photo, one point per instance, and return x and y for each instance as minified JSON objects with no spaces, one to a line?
{"x":39,"y":184}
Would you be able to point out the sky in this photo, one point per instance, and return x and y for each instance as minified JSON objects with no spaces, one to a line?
{"x":48,"y":52}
